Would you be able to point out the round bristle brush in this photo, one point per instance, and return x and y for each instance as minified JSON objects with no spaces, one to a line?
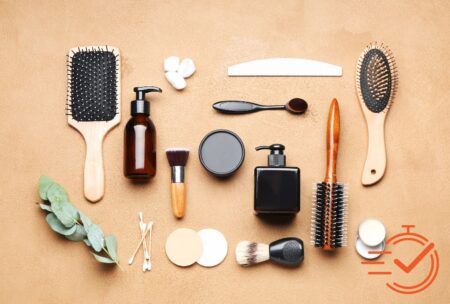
{"x":376,"y":84}
{"x":329,"y":210}
{"x":287,"y":251}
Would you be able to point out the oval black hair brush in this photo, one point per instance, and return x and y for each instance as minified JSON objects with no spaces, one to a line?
{"x":376,"y":84}
{"x":93,"y":106}
{"x":329,"y":212}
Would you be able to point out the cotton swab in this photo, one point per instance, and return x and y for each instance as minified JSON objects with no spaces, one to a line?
{"x":130,"y":261}
{"x":142,"y":227}
{"x":149,"y":247}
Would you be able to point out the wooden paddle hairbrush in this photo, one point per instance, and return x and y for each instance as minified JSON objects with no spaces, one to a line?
{"x":376,"y":83}
{"x":93,"y":106}
{"x":329,"y":212}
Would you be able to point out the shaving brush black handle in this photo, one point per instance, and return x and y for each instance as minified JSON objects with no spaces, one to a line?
{"x":287,"y":251}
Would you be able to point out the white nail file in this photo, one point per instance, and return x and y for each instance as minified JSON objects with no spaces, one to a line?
{"x":284,"y":67}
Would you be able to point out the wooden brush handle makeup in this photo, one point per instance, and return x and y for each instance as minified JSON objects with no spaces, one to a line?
{"x":333,"y":127}
{"x":178,"y":191}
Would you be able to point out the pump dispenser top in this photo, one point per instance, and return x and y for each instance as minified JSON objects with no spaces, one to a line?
{"x":276,"y":158}
{"x":141,"y":105}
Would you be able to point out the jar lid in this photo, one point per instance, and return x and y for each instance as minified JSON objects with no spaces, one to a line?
{"x":221,"y":152}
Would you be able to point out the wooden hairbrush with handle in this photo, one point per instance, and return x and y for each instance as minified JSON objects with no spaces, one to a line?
{"x":376,"y":83}
{"x":93,"y":106}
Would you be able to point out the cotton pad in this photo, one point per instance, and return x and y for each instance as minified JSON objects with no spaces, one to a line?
{"x":184,"y":247}
{"x":371,"y":232}
{"x":215,"y":247}
{"x":363,"y":250}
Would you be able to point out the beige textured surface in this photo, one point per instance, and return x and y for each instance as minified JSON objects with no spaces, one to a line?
{"x":37,"y":266}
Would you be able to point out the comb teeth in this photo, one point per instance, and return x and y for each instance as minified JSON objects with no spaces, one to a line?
{"x":329,"y":215}
{"x":93,"y":84}
{"x":376,"y":77}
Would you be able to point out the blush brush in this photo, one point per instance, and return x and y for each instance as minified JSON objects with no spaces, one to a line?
{"x":93,"y":106}
{"x":177,"y":158}
{"x":329,"y":210}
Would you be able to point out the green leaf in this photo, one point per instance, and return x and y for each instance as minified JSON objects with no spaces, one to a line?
{"x":79,"y":234}
{"x":95,"y":237}
{"x":102,"y":259}
{"x":85,"y":220}
{"x":56,"y":194}
{"x":111,"y":246}
{"x":46,"y":207}
{"x":66,"y":213}
{"x":57,"y":226}
{"x":44,"y":184}
{"x":86,"y":241}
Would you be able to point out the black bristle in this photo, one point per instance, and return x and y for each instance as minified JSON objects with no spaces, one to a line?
{"x":376,"y":78}
{"x":330,"y":202}
{"x":93,"y":79}
{"x":177,"y":157}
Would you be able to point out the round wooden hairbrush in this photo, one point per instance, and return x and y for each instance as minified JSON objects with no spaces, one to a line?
{"x":376,"y":83}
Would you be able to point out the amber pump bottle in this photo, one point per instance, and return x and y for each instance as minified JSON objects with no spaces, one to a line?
{"x":140,"y":138}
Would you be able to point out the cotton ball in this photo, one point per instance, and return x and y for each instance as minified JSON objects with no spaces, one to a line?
{"x":171,"y":64}
{"x":176,"y":80}
{"x":186,"y":68}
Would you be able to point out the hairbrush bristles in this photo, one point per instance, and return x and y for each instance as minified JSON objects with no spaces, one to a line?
{"x":93,"y":83}
{"x":376,"y":77}
{"x":250,"y":253}
{"x":177,"y":156}
{"x":329,"y":215}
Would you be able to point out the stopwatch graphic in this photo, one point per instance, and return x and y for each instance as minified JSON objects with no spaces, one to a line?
{"x":412,"y":275}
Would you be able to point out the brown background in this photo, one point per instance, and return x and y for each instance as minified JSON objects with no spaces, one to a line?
{"x":38,"y":266}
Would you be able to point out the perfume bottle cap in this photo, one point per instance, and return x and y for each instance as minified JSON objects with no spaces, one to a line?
{"x":276,"y":157}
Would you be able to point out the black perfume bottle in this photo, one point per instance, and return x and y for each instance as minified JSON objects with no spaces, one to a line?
{"x":277,"y":187}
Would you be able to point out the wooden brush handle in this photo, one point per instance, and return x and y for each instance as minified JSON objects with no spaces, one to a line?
{"x":94,"y":180}
{"x":376,"y":153}
{"x":333,"y":126}
{"x":178,"y":199}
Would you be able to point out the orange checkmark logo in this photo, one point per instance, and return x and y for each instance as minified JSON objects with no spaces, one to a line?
{"x":413,"y":264}
{"x":427,"y":255}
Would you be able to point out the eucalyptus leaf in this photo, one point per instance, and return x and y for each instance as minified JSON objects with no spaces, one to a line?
{"x":111,"y":246}
{"x":46,"y":207}
{"x":44,"y":184}
{"x":66,"y":213}
{"x":96,"y":237}
{"x":86,"y":241}
{"x":102,"y":259}
{"x":56,"y":194}
{"x":79,"y":234}
{"x":57,"y":226}
{"x":85,"y":220}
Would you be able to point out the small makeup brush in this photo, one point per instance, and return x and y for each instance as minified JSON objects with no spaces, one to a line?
{"x":287,"y":251}
{"x":177,"y":158}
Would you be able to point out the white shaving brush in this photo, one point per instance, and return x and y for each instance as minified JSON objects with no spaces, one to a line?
{"x":249,"y":253}
{"x":286,"y":251}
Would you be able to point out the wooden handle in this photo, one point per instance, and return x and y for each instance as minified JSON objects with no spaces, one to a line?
{"x":178,"y":199}
{"x":376,"y":153}
{"x":94,"y":180}
{"x":333,"y":126}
